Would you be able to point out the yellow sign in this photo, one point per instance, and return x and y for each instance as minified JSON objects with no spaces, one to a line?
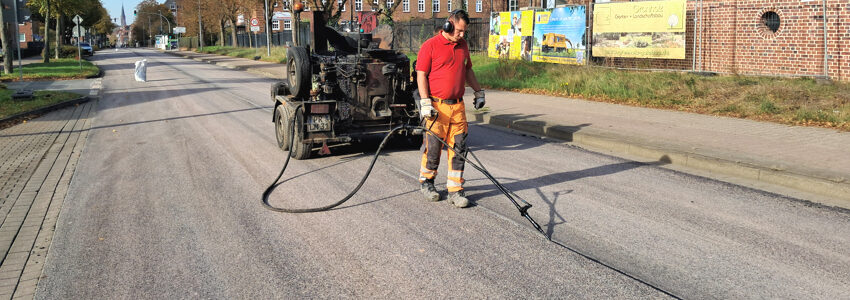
{"x":648,"y":29}
{"x":645,"y":16}
{"x":527,"y":23}
{"x":505,"y":22}
{"x":492,"y":51}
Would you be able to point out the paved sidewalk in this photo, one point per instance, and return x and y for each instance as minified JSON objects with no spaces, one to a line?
{"x":809,"y":163}
{"x":37,"y":162}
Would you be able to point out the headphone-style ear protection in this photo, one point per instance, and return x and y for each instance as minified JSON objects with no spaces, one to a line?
{"x":448,"y":27}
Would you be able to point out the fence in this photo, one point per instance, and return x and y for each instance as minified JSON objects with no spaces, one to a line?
{"x":409,"y":36}
{"x":258,"y":40}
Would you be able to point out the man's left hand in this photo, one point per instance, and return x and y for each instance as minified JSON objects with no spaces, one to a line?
{"x":479,"y":99}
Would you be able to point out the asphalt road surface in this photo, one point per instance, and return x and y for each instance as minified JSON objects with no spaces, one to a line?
{"x":165,"y":203}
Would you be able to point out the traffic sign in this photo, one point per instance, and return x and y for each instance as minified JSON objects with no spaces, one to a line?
{"x":255,"y":24}
{"x":78,"y":19}
{"x":80,"y":30}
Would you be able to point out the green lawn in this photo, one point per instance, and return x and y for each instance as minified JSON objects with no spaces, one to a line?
{"x":63,"y":68}
{"x":9,"y":107}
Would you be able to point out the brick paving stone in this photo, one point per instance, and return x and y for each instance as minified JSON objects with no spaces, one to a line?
{"x":33,"y":195}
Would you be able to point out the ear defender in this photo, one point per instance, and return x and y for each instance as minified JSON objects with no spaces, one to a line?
{"x":449,"y":27}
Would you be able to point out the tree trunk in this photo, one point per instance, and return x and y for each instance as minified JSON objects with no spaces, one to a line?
{"x":45,"y":54}
{"x":59,"y":21}
{"x":233,"y":33}
{"x":7,"y":57}
{"x":221,"y":33}
{"x":250,"y":38}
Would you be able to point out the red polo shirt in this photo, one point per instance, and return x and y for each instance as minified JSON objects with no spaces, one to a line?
{"x":446,"y":64}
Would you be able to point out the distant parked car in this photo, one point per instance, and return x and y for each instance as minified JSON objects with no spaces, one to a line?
{"x":86,"y":49}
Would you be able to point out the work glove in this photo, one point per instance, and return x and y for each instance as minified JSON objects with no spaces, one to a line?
{"x":479,"y":99}
{"x":426,"y":110}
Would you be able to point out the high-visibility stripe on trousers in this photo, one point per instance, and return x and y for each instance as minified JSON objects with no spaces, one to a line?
{"x":450,"y":126}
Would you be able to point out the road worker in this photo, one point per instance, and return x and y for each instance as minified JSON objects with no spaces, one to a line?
{"x":443,"y":67}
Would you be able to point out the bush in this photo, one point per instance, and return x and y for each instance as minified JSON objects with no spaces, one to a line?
{"x":68,"y":51}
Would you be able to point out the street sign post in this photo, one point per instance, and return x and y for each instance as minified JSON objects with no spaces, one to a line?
{"x":255,"y":24}
{"x":78,"y":20}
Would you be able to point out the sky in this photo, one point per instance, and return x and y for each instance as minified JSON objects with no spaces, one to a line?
{"x":114,"y":9}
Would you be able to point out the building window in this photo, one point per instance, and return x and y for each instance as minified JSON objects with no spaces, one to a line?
{"x":405,"y":5}
{"x":770,"y":20}
{"x":341,"y":6}
{"x":448,"y":5}
{"x":285,"y":5}
{"x":512,"y":5}
{"x":358,"y":5}
{"x":374,"y":5}
{"x":173,"y":6}
{"x":466,"y":5}
{"x":435,"y":5}
{"x":389,"y":4}
{"x":287,"y":24}
{"x":276,"y":25}
{"x":478,"y":5}
{"x":421,"y":5}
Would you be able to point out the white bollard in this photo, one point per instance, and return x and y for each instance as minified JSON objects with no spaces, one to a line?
{"x":141,"y":70}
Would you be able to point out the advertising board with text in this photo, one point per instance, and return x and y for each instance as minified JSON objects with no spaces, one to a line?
{"x":648,"y":29}
{"x":559,"y":35}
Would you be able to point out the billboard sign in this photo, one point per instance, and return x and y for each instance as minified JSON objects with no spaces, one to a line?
{"x":508,"y":31}
{"x":648,"y":29}
{"x":559,"y":35}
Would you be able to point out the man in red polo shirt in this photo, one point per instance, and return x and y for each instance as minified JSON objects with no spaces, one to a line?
{"x":442,"y":67}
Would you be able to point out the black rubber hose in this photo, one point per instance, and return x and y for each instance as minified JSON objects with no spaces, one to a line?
{"x":523,"y":210}
{"x":274,"y":184}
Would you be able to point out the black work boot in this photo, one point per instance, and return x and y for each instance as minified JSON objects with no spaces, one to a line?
{"x":429,"y":191}
{"x":459,"y":199}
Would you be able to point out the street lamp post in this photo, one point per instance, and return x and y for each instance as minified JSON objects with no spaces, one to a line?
{"x":268,"y":33}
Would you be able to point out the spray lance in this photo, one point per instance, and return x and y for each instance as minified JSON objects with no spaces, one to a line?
{"x":513,"y":197}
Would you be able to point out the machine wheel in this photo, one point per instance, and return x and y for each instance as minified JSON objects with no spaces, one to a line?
{"x":300,"y":150}
{"x":282,"y":117}
{"x":298,"y":71}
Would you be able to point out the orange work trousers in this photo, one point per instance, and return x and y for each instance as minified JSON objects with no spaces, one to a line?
{"x":451,"y":127}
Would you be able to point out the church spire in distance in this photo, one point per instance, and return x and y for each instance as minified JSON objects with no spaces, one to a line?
{"x":123,"y":18}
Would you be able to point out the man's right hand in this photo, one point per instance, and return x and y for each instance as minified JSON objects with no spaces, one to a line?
{"x":426,"y":110}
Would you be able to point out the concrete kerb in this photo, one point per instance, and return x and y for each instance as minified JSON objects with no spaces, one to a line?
{"x":814,"y":182}
{"x":810,"y":181}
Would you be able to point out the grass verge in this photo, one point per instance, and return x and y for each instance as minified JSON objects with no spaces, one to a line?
{"x":793,"y":101}
{"x":63,"y":68}
{"x":10,"y":107}
{"x":278,"y":54}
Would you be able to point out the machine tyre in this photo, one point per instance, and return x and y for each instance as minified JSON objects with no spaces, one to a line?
{"x":282,"y":117}
{"x":298,"y":71}
{"x":300,"y":150}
